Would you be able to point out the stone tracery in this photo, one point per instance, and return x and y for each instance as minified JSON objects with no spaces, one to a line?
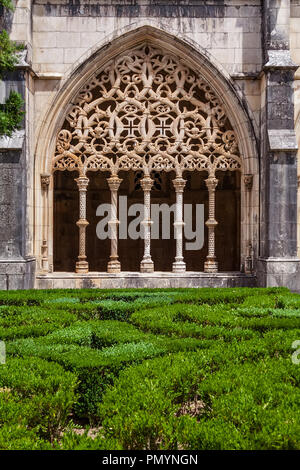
{"x":147,"y":111}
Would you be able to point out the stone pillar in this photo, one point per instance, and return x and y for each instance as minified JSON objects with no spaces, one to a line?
{"x":278,"y":264}
{"x":298,"y":215}
{"x":82,"y":265}
{"x":179,"y":264}
{"x":114,"y":263}
{"x":45,"y":182}
{"x":17,"y":263}
{"x":211,"y":265}
{"x":248,"y":183}
{"x":147,"y":265}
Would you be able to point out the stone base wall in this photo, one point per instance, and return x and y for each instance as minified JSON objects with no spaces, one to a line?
{"x":139,"y":280}
{"x":275,"y":272}
{"x":17,"y":274}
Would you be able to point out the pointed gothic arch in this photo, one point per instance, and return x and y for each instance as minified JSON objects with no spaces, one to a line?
{"x":149,"y":108}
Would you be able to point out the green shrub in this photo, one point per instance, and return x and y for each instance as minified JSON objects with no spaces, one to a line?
{"x":11,"y":114}
{"x":18,"y":322}
{"x":168,"y":321}
{"x":189,"y":401}
{"x":74,"y":441}
{"x":152,"y":368}
{"x":15,"y":437}
{"x":8,"y":50}
{"x":36,"y":393}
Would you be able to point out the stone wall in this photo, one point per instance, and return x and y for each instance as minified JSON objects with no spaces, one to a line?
{"x":295,"y":53}
{"x":64,"y":31}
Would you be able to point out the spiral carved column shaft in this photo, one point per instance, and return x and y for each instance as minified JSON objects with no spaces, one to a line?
{"x":45,"y":182}
{"x":114,"y":263}
{"x":211,"y":265}
{"x":248,"y":182}
{"x":179,"y":264}
{"x":82,"y":265}
{"x":147,"y":265}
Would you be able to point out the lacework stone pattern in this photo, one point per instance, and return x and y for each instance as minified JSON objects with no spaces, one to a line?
{"x":146,"y":110}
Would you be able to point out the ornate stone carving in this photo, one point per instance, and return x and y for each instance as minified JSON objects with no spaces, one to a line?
{"x":114,"y":265}
{"x":146,"y":110}
{"x":82,"y":265}
{"x":211,"y":265}
{"x":147,"y":265}
{"x":45,"y":181}
{"x":248,"y":180}
{"x":179,"y":264}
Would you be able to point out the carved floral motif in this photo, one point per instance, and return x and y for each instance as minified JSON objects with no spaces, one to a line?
{"x":146,"y":110}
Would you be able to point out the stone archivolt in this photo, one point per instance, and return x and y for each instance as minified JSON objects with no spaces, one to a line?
{"x":146,"y":110}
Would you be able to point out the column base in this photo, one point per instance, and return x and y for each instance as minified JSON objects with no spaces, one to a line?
{"x":82,"y":267}
{"x":211,"y":266}
{"x":279,"y":272}
{"x":17,"y":273}
{"x":147,"y":266}
{"x":178,"y":267}
{"x":114,"y":266}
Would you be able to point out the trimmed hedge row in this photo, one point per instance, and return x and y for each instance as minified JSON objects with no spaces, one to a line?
{"x":97,"y":368}
{"x":204,"y":401}
{"x":36,"y":395}
{"x":156,"y":368}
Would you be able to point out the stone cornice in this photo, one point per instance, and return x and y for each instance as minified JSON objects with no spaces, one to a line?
{"x":279,"y":59}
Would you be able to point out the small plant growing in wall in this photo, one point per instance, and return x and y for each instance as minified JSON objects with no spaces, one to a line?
{"x":11,"y":113}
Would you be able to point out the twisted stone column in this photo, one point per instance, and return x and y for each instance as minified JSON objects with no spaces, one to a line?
{"x":114,"y":265}
{"x":45,"y":182}
{"x":211,"y":265}
{"x":82,"y":265}
{"x":179,"y":264}
{"x":248,"y":182}
{"x":147,"y":265}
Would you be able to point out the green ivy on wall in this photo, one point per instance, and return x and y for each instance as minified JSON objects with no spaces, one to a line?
{"x":7,"y":4}
{"x":11,"y":113}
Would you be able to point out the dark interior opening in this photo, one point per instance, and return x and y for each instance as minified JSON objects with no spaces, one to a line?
{"x":163,"y":251}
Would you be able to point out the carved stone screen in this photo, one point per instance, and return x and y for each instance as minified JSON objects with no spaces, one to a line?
{"x":146,"y":111}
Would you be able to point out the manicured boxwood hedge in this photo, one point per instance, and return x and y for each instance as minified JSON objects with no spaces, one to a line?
{"x":150,"y":369}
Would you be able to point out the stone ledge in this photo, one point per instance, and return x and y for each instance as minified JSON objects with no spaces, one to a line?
{"x":279,"y":265}
{"x":280,"y":59}
{"x":15,"y":142}
{"x":48,"y":76}
{"x":282,"y":140}
{"x":143,"y":280}
{"x":277,"y":272}
{"x":17,"y":273}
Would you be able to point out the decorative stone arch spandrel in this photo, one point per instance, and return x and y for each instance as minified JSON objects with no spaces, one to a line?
{"x":144,"y":108}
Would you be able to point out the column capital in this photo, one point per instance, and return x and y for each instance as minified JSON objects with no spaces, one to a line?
{"x":45,"y":181}
{"x":211,"y":183}
{"x":179,"y":184}
{"x":114,"y":182}
{"x":82,"y":183}
{"x":146,"y":183}
{"x":248,"y":181}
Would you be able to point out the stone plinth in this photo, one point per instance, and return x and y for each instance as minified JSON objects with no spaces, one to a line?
{"x":274,"y":272}
{"x":143,"y":280}
{"x":17,"y":274}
